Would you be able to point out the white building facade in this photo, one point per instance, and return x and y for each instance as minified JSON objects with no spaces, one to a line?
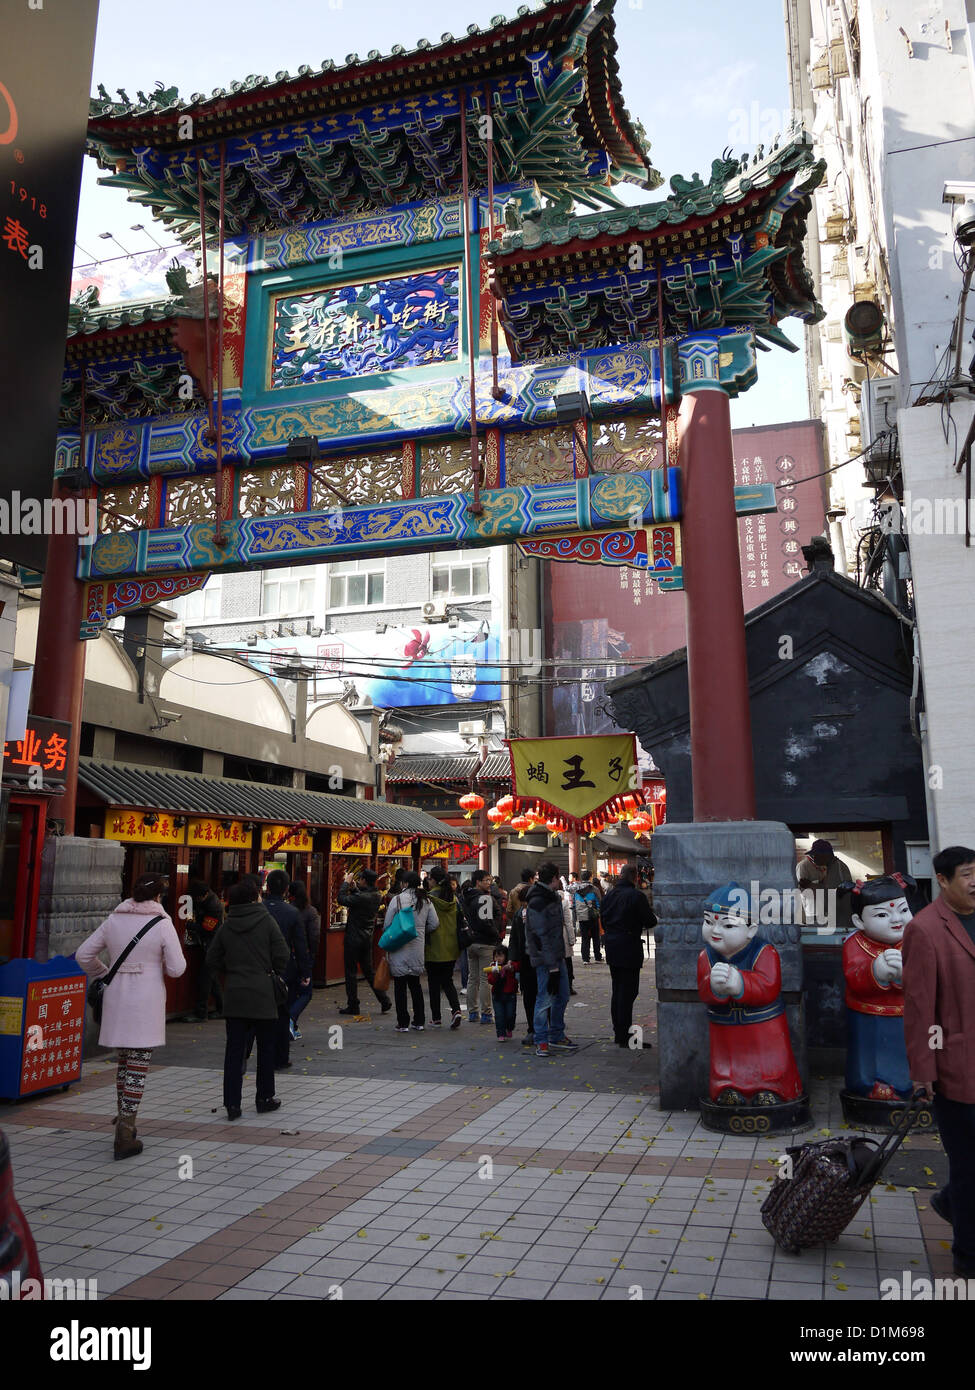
{"x":888,"y":92}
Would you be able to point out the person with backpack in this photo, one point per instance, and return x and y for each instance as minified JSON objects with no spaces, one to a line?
{"x":585,"y":900}
{"x":442,"y":949}
{"x":407,"y":960}
{"x":248,"y":950}
{"x":546,"y":952}
{"x":486,"y":924}
{"x":518,"y":950}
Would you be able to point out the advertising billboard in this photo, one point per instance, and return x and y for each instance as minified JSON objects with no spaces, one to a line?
{"x":402,"y":667}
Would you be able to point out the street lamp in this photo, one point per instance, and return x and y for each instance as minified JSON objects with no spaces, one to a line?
{"x":109,"y":236}
{"x":145,"y":231}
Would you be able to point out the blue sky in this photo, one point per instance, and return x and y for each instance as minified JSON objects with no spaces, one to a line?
{"x":712,"y":77}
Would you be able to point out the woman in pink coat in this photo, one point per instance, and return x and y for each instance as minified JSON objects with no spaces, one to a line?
{"x":134,"y":1002}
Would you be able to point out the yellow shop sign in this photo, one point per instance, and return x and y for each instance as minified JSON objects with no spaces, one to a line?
{"x":131,"y":826}
{"x":297,"y":840}
{"x":434,"y":849}
{"x":207,"y":832}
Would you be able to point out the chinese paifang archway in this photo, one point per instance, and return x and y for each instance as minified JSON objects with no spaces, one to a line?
{"x":335,"y":384}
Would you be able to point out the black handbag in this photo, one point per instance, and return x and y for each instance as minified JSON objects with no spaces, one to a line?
{"x":279,"y":987}
{"x":96,"y":990}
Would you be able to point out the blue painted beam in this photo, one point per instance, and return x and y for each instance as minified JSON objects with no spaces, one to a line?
{"x":599,"y":503}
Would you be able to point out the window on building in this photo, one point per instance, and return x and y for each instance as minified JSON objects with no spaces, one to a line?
{"x":200,"y":605}
{"x":356,"y":583}
{"x":288,"y":591}
{"x":462,"y":575}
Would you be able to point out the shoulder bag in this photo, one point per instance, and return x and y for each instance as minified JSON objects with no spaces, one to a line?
{"x":96,"y":990}
{"x":400,"y":930}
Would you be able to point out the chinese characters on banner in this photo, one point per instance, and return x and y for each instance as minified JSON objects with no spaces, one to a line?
{"x":53,"y":1025}
{"x":574,"y":776}
{"x":131,"y":826}
{"x":298,"y":841}
{"x":45,"y":746}
{"x":207,"y":832}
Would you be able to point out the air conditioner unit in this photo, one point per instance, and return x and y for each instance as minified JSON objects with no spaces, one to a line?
{"x":177,"y":630}
{"x":837,"y":59}
{"x":878,"y":409}
{"x":435,"y":610}
{"x":820,"y":76}
{"x":472,"y":727}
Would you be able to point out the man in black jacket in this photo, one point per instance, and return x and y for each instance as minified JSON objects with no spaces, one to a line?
{"x":546,"y":951}
{"x":361,"y":902}
{"x":626,"y":914}
{"x":298,"y":972}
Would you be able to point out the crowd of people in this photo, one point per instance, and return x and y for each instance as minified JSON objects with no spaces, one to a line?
{"x":505,"y":944}
{"x":255,"y":948}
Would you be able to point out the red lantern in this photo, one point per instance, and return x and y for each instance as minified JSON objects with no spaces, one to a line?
{"x":640,"y":824}
{"x":506,"y":804}
{"x":553,"y":825}
{"x":471,"y":803}
{"x":662,"y":797}
{"x":521,"y":824}
{"x":496,"y":816}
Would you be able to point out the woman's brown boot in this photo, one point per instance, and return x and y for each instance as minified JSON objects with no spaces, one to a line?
{"x":126,"y":1144}
{"x":134,"y":1130}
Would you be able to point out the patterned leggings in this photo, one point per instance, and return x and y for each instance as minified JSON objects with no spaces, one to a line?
{"x":130,"y":1080}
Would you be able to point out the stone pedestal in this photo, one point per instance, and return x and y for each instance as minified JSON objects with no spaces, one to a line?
{"x":690,"y":861}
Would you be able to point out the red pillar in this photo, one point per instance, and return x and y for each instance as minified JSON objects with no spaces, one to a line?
{"x":722,"y":770}
{"x":57,"y":688}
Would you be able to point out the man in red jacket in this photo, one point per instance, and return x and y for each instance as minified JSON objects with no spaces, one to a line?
{"x":939,"y":1030}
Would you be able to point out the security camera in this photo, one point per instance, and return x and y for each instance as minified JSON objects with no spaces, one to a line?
{"x":965,"y":223}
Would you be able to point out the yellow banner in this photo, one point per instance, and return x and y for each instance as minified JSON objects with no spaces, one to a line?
{"x":434,"y":849}
{"x":207,"y":832}
{"x":131,"y":827}
{"x":393,"y":844}
{"x":341,"y":845}
{"x":574,"y":776}
{"x":297,"y":841}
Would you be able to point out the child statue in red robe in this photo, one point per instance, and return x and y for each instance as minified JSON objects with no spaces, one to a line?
{"x":876,"y":1057}
{"x":739,"y":977}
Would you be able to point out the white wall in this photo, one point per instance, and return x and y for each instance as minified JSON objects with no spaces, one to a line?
{"x":217,"y":686}
{"x":944,"y":595}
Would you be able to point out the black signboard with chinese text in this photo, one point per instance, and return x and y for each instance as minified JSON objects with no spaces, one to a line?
{"x":45,"y":747}
{"x":45,"y":80}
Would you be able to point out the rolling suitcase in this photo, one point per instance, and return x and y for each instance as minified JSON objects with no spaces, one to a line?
{"x":830,"y":1182}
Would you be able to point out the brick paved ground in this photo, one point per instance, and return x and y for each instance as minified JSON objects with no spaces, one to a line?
{"x":433,"y":1165}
